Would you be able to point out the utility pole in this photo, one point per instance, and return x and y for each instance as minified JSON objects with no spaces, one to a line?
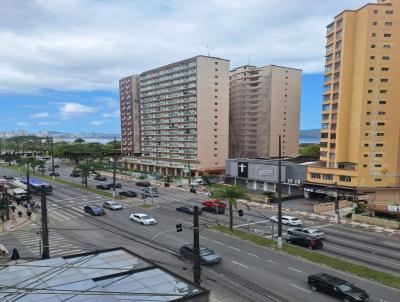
{"x":28,"y":188}
{"x":45,"y":230}
{"x":52,"y":155}
{"x":196,"y":246}
{"x":280,"y":195}
{"x":337,"y":211}
{"x":114,"y":159}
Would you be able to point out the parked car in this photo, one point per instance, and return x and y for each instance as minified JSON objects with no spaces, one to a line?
{"x":8,"y":177}
{"x":112,"y":205}
{"x":100,"y":177}
{"x":213,"y":203}
{"x":41,"y":169}
{"x":95,"y":174}
{"x":207,"y":256}
{"x":289,"y":220}
{"x":128,"y":193}
{"x":142,"y":218}
{"x":187,"y":210}
{"x":143,"y":184}
{"x":55,"y":173}
{"x":306,"y":232}
{"x":309,"y":243}
{"x":75,"y":174}
{"x":213,"y":210}
{"x":337,"y":287}
{"x":103,"y":187}
{"x":94,"y":210}
{"x":117,"y":185}
{"x":198,"y":182}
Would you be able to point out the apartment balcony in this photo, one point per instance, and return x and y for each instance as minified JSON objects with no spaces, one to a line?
{"x":339,"y":175}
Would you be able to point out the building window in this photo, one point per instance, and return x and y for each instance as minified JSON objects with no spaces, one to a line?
{"x":368,"y":113}
{"x":369,"y":90}
{"x":386,"y":46}
{"x":216,"y":63}
{"x":370,"y":80}
{"x":373,"y":46}
{"x":378,"y":179}
{"x":389,"y":12}
{"x":384,"y":80}
{"x":385,"y":58}
{"x":365,"y":166}
{"x":385,"y":69}
{"x":378,"y":155}
{"x":378,"y":166}
{"x":375,"y":11}
{"x":371,"y":68}
{"x":383,"y":91}
{"x":373,"y":35}
{"x":216,"y":69}
{"x":381,"y":113}
{"x":315,"y":175}
{"x":216,"y":83}
{"x":365,"y":155}
{"x":381,"y":124}
{"x":366,"y":145}
{"x":375,"y":23}
{"x":379,"y":145}
{"x":382,"y":102}
{"x":345,"y":178}
{"x":388,"y":23}
{"x":387,"y":35}
{"x":327,"y":176}
{"x":372,"y":57}
{"x":366,"y":134}
{"x":216,"y":90}
{"x":380,"y":134}
{"x":369,"y":102}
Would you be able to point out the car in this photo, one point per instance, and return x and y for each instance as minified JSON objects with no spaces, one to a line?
{"x":117,"y":185}
{"x":41,"y":169}
{"x":187,"y":210}
{"x":198,"y":182}
{"x":103,"y":187}
{"x":213,"y":210}
{"x":9,"y":177}
{"x":56,"y":166}
{"x":95,"y":174}
{"x":54,"y":174}
{"x":337,"y":287}
{"x":75,"y":174}
{"x":143,"y":184}
{"x":289,"y":220}
{"x":207,"y":256}
{"x":142,"y":218}
{"x":149,"y":194}
{"x":112,"y":205}
{"x":100,"y":178}
{"x":309,"y":243}
{"x":128,"y":193}
{"x":213,"y":203}
{"x":94,"y":210}
{"x":306,"y":232}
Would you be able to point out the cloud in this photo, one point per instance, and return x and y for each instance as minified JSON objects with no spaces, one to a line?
{"x":68,"y":110}
{"x":64,"y":50}
{"x":112,"y":114}
{"x":40,"y":115}
{"x":98,"y":123}
{"x":22,"y":124}
{"x":47,"y":123}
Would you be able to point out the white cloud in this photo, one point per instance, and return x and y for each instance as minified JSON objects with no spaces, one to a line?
{"x":40,"y":115}
{"x":47,"y":123}
{"x":98,"y":123}
{"x":112,"y":114}
{"x":22,"y":124}
{"x":68,"y":110}
{"x":64,"y":50}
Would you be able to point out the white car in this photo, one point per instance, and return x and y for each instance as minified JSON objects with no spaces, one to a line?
{"x":307,"y":232}
{"x":112,"y":205}
{"x":142,"y":218}
{"x":289,"y":220}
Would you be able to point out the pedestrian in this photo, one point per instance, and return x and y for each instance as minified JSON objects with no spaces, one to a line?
{"x":13,"y":219}
{"x":19,"y":214}
{"x":13,"y":208}
{"x":29,"y":214}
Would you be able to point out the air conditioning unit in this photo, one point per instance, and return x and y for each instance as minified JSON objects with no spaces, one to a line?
{"x":297,"y":181}
{"x":290,"y":180}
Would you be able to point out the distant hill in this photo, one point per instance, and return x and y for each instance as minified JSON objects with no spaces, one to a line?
{"x":314,"y":133}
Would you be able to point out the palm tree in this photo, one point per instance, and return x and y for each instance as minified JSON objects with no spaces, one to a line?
{"x":85,"y":172}
{"x":232,"y":194}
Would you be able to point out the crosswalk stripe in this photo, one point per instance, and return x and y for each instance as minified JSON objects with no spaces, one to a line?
{"x":57,"y":215}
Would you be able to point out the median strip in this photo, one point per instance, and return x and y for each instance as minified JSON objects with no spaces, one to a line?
{"x":345,"y":266}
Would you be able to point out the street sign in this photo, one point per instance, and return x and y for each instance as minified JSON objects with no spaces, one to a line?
{"x":393,"y":208}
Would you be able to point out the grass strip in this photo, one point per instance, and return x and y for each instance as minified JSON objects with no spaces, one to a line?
{"x":345,"y":266}
{"x":67,"y":183}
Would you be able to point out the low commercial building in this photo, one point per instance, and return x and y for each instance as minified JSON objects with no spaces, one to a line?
{"x":262,"y":174}
{"x":112,"y":275}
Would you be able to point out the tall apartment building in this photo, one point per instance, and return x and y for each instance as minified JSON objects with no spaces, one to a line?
{"x":264,"y":103}
{"x":360,"y":135}
{"x":181,"y":118}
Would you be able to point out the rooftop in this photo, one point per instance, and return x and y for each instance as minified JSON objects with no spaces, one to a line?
{"x":286,"y":161}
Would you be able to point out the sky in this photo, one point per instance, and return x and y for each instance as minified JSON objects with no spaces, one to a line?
{"x":60,"y":60}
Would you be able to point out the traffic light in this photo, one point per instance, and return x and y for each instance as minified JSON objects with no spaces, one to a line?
{"x":240,"y":213}
{"x":179,"y":227}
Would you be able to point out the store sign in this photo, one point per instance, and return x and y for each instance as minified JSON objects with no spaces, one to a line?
{"x":265,"y":173}
{"x":393,"y":208}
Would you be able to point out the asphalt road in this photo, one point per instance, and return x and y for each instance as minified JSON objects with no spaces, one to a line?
{"x":247,"y":273}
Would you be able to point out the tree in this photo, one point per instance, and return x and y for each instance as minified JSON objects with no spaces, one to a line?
{"x":309,"y":150}
{"x":232,"y":194}
{"x":85,"y":172}
{"x":79,"y":141}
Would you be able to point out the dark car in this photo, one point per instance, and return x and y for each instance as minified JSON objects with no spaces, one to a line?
{"x":8,"y":177}
{"x":56,"y":166}
{"x":117,"y":185}
{"x":100,"y":178}
{"x":337,"y":287}
{"x":54,"y":174}
{"x":309,"y":243}
{"x":75,"y":174}
{"x":186,"y":210}
{"x":128,"y":193}
{"x":143,"y":184}
{"x":94,"y":210}
{"x":213,"y":210}
{"x":207,"y":256}
{"x":103,"y":187}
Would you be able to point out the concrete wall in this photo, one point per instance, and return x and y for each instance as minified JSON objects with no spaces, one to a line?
{"x":376,"y":221}
{"x":330,"y":206}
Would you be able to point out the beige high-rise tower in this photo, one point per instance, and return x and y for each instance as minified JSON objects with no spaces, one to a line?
{"x":176,"y":117}
{"x":264,"y":103}
{"x":360,"y":133}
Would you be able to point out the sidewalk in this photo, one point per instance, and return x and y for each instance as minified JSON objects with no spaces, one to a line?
{"x":17,"y":222}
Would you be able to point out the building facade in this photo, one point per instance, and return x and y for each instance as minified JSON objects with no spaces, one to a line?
{"x":360,"y":145}
{"x":262,"y":174}
{"x":181,"y":118}
{"x":264,"y":103}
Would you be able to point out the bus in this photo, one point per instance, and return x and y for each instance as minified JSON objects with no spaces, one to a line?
{"x":35,"y":186}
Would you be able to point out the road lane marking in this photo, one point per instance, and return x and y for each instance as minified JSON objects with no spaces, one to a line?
{"x":296,"y":270}
{"x":237,"y":263}
{"x":204,"y":238}
{"x":300,"y":288}
{"x":253,"y":255}
{"x":323,"y":226}
{"x":365,"y":246}
{"x":217,"y":242}
{"x":251,"y":223}
{"x":234,"y":248}
{"x":271,"y":261}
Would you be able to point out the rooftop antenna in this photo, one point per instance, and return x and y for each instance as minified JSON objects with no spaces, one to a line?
{"x":208,"y":51}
